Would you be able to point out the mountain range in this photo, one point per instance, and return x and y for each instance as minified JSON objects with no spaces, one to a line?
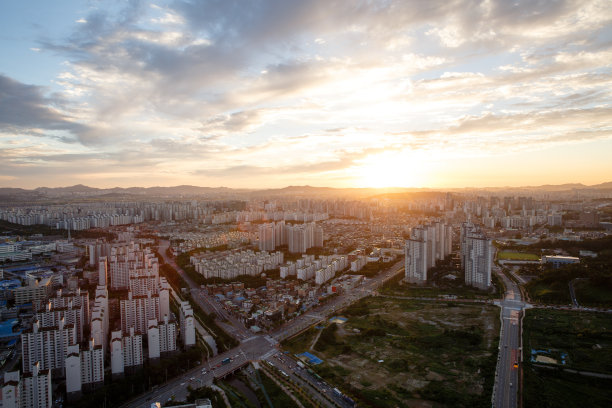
{"x":183,"y":191}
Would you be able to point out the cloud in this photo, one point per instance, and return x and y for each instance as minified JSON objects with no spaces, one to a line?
{"x":24,"y":108}
{"x":304,"y":88}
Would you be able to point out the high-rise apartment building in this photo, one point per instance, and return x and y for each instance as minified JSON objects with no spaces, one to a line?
{"x":476,"y":256}
{"x":427,"y":244}
{"x":11,"y":390}
{"x":137,"y":311}
{"x":187,"y":325}
{"x":416,"y":264}
{"x":73,"y":372}
{"x":92,"y":366}
{"x":46,"y":346}
{"x":126,"y":352}
{"x":36,"y":391}
{"x":116,"y":353}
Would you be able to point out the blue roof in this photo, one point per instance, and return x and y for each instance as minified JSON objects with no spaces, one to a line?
{"x":6,"y":327}
{"x":312,"y":359}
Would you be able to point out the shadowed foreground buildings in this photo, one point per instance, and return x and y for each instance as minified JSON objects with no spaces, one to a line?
{"x":427,"y":244}
{"x":31,"y":390}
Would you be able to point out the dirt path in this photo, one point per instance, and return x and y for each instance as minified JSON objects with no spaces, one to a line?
{"x":315,"y":340}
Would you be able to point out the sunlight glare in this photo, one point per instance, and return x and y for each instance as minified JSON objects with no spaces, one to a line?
{"x":390,"y":169}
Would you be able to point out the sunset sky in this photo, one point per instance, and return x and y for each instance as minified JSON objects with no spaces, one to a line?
{"x":327,"y":93}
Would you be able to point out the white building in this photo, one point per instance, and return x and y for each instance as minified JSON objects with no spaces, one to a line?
{"x":153,"y":339}
{"x":137,"y":311}
{"x":415,"y":262}
{"x":92,"y":366}
{"x":11,"y":390}
{"x":132,"y":350}
{"x":36,"y":389}
{"x":187,"y":325}
{"x":46,"y":346}
{"x":167,"y":336}
{"x":116,"y":353}
{"x":73,"y":372}
{"x":478,"y":258}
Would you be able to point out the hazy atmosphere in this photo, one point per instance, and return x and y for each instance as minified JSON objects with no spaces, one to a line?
{"x":329,"y":93}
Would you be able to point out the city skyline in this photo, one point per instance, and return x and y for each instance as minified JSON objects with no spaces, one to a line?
{"x":278,"y":93}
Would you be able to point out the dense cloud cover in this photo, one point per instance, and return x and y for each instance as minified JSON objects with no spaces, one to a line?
{"x":277,"y":92}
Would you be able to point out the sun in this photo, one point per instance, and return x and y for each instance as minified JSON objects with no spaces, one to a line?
{"x":390,"y":169}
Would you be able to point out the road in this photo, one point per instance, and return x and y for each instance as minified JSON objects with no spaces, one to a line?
{"x":227,"y":322}
{"x":258,"y":347}
{"x":505,"y":389}
{"x":316,"y":315}
{"x":572,"y":292}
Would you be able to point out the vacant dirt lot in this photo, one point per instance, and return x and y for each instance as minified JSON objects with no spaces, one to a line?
{"x":395,"y":352}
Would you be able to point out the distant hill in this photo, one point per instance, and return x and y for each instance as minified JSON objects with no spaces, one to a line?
{"x":12,"y":195}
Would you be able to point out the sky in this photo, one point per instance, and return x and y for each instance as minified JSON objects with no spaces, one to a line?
{"x":261,"y":94}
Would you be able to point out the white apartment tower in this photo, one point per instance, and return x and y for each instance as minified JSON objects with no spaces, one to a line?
{"x":103,"y":271}
{"x":477,"y":253}
{"x":430,"y":239}
{"x":132,"y":350}
{"x":11,"y":390}
{"x":187,"y":325}
{"x":164,"y":297}
{"x":73,"y":372}
{"x":73,"y":315}
{"x":267,"y":237}
{"x":99,"y":317}
{"x":153,"y":339}
{"x":36,"y":388}
{"x":116,"y":351}
{"x":92,"y":366}
{"x":137,"y":311}
{"x":46,"y":346}
{"x":167,"y":336}
{"x":416,"y":258}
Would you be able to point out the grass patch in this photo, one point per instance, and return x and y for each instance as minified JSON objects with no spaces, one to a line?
{"x":516,"y":256}
{"x":590,"y":294}
{"x":301,"y":343}
{"x":397,"y":352}
{"x":586,"y":337}
{"x":553,"y":388}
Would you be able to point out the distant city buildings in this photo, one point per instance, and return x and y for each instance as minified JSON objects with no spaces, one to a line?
{"x":299,"y":237}
{"x":228,"y":265}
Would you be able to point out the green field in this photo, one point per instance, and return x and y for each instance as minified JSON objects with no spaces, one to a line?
{"x":591,"y":294}
{"x":556,"y":292}
{"x":585,"y":336}
{"x":586,"y":339}
{"x":394,"y":352}
{"x":516,"y":256}
{"x":555,"y":389}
